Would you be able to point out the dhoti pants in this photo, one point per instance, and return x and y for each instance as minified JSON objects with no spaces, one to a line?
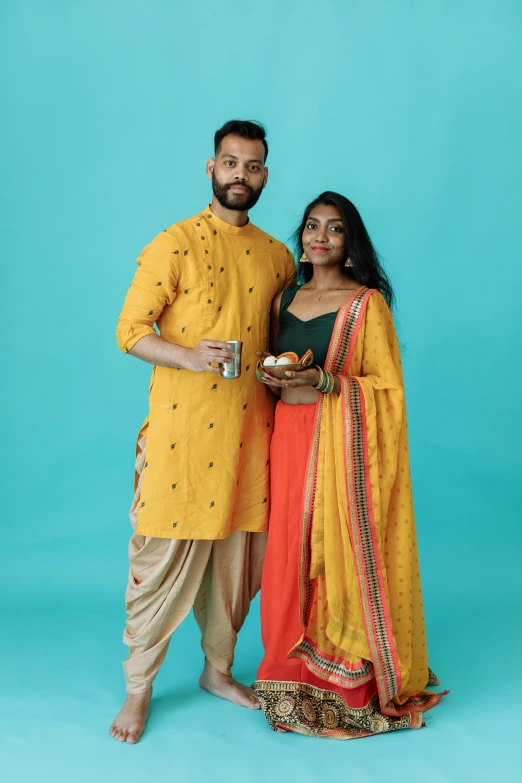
{"x":168,"y":577}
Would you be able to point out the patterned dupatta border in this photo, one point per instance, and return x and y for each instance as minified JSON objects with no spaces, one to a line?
{"x":331,"y":669}
{"x":340,"y":350}
{"x":372,"y":592}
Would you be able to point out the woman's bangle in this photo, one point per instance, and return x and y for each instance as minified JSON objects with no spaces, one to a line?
{"x":259,"y":377}
{"x":326,"y":381}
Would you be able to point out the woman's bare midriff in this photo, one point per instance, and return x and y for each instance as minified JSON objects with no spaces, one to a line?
{"x":306,"y":395}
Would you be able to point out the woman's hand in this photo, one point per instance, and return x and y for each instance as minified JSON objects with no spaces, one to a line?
{"x":293,"y":380}
{"x":296,"y":379}
{"x":267,"y":379}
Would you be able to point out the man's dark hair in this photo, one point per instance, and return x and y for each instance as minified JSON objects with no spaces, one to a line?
{"x":243,"y":128}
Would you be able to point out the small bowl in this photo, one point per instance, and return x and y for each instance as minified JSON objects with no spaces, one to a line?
{"x":279,"y":371}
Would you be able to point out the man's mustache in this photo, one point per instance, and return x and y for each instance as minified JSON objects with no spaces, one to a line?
{"x":240,"y":185}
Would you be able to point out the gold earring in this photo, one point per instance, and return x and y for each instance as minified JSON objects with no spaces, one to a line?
{"x":348,"y":262}
{"x":304,"y":259}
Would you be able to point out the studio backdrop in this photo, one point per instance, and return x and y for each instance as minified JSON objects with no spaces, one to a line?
{"x":410,"y":109}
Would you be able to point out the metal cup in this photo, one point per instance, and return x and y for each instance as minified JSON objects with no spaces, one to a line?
{"x":232,"y":368}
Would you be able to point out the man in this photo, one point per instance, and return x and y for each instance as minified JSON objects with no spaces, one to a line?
{"x":201,"y":489}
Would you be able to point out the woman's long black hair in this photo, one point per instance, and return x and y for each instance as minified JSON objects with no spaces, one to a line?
{"x":367,"y":269}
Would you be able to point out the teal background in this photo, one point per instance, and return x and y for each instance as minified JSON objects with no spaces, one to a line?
{"x":412,"y":110}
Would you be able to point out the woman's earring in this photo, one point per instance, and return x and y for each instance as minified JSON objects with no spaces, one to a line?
{"x":304,"y":259}
{"x":348,"y":262}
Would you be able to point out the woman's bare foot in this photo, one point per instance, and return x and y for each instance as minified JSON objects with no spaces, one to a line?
{"x":129,"y":723}
{"x":226,"y":687}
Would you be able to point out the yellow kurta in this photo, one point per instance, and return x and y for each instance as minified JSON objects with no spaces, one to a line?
{"x":208,"y":438}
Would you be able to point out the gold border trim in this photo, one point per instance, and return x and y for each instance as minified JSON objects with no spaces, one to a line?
{"x":317,"y":712}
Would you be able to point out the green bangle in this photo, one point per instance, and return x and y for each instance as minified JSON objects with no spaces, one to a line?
{"x":331,"y":384}
{"x":259,"y":378}
{"x":326,"y":384}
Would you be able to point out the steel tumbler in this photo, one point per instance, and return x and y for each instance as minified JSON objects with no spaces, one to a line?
{"x":232,"y":368}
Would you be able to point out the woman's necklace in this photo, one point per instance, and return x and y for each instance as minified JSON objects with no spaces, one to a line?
{"x":326,"y":290}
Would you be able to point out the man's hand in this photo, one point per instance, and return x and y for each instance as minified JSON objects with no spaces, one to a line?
{"x":199,"y":359}
{"x":154,"y":349}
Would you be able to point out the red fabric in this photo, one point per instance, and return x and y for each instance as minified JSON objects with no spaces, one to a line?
{"x":280,"y":626}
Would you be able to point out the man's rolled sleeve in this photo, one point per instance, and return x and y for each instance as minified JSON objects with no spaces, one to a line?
{"x":153,"y":288}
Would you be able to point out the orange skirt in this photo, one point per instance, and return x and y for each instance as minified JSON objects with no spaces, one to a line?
{"x":292,"y":697}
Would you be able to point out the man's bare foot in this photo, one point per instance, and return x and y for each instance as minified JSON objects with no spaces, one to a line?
{"x":226,"y":687}
{"x":129,"y":723}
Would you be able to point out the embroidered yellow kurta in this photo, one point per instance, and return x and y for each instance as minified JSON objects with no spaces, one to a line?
{"x":208,"y":438}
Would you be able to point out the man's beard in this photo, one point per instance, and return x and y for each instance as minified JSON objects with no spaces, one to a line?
{"x":241,"y":202}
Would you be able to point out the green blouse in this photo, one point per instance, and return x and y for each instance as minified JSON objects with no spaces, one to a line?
{"x":298,"y":336}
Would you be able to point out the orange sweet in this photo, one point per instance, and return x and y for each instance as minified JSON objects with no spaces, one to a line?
{"x":294,"y":358}
{"x":307,"y":358}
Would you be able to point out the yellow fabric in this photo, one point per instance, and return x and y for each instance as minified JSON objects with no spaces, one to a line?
{"x":336,"y":621}
{"x":207,"y":438}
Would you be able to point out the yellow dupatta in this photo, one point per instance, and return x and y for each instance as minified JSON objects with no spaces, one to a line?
{"x":361,"y":602}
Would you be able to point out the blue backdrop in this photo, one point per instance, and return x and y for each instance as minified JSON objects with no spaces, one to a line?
{"x":413,"y":111}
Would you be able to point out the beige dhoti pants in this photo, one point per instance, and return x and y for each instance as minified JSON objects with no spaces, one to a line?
{"x":168,"y":577}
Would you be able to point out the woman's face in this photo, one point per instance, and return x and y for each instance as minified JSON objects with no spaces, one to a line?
{"x":323,"y":237}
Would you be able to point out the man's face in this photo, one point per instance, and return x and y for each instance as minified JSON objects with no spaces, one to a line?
{"x":238,"y":173}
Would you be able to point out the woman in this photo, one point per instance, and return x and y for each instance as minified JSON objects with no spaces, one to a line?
{"x":341,"y":606}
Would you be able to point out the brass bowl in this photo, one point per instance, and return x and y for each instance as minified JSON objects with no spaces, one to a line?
{"x":279,"y":372}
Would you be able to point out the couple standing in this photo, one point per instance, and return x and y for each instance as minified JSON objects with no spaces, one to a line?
{"x":342,"y":620}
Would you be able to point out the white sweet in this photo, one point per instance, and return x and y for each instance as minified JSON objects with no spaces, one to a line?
{"x":283,"y":360}
{"x":270,"y":361}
